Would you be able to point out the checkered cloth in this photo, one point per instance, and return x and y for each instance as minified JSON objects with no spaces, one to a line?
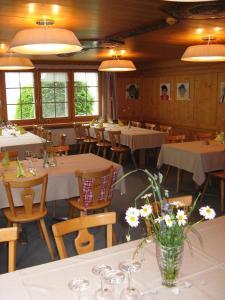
{"x":87,"y":188}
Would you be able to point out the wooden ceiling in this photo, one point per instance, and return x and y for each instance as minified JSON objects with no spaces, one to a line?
{"x":99,"y":19}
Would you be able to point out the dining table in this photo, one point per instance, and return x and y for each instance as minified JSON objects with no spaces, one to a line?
{"x":135,"y":138}
{"x":62,"y":182}
{"x":202,"y":274}
{"x":27,"y":141}
{"x":196,"y":157}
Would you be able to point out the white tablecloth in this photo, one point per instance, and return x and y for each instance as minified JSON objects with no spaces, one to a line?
{"x":202,"y":275}
{"x":195,"y":157}
{"x":62,"y":183}
{"x":21,"y":143}
{"x":136,"y":138}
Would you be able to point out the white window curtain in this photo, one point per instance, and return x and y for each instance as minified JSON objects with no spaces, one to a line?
{"x":109,"y":96}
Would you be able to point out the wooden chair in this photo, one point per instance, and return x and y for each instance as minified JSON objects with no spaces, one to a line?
{"x":165,"y":128}
{"x":180,"y":138}
{"x":49,"y":136}
{"x":62,"y":139}
{"x":10,"y":235}
{"x":183,"y":202}
{"x":221,"y":176}
{"x":116,"y":147}
{"x":12,"y":155}
{"x":40,"y":131}
{"x":101,"y":144}
{"x":89,"y":141}
{"x":84,"y":242}
{"x":35,"y":129}
{"x":58,"y":150}
{"x":202,"y":136}
{"x":150,"y":126}
{"x":29,"y":212}
{"x":95,"y":188}
{"x":79,"y":136}
{"x":136,"y":124}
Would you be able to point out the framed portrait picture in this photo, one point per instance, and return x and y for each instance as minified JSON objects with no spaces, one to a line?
{"x":132,"y":91}
{"x":183,"y":91}
{"x":165,"y":91}
{"x":222,"y":92}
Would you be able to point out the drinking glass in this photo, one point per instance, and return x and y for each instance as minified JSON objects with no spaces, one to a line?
{"x":78,"y":285}
{"x":28,"y":156}
{"x":130,"y":293}
{"x":113,"y":278}
{"x":102,"y":293}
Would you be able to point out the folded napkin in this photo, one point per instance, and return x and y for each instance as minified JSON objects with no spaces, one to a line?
{"x":5,"y":160}
{"x":19,"y":169}
{"x":21,"y":130}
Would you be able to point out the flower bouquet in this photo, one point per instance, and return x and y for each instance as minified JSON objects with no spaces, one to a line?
{"x":167,"y":222}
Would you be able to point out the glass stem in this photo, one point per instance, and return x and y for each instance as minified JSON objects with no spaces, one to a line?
{"x":79,"y":295}
{"x":129,"y":278}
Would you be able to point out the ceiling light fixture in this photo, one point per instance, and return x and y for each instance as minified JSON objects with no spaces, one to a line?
{"x":189,"y":0}
{"x":10,"y":62}
{"x":116,"y":64}
{"x":45,"y":40}
{"x":205,"y":53}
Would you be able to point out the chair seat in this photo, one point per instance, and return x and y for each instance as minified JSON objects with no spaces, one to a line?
{"x":220,"y":174}
{"x":77,"y":204}
{"x":21,"y":217}
{"x":105,"y":144}
{"x":90,"y":140}
{"x":119,"y":149}
{"x":81,"y":139}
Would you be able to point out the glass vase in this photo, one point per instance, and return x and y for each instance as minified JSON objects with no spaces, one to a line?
{"x":45,"y":159}
{"x":169,"y":261}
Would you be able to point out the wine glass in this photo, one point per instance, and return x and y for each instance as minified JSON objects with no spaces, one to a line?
{"x":102,"y":293}
{"x":78,"y":285}
{"x":130,"y":293}
{"x":113,"y":278}
{"x":28,"y":156}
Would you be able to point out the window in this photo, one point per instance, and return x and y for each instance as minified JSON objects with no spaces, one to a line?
{"x":20,"y":95}
{"x":86,"y":100}
{"x":54,"y":92}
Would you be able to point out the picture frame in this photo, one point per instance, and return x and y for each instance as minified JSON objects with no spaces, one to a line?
{"x":222,"y":93}
{"x":132,"y":91}
{"x":183,"y":93}
{"x":164,"y":92}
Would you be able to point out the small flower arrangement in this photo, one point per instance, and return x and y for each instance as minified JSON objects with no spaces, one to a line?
{"x":169,"y":223}
{"x":220,"y":137}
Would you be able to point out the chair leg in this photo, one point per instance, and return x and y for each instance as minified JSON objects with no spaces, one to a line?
{"x":121,"y":158}
{"x":47,"y":240}
{"x":205,"y":187}
{"x":71,"y":211}
{"x":113,"y":155}
{"x":166,"y":175}
{"x":104,"y":152}
{"x":90,"y":148}
{"x":41,"y":232}
{"x":222,"y":194}
{"x":133,"y":159}
{"x":178,"y":180}
{"x":98,"y":151}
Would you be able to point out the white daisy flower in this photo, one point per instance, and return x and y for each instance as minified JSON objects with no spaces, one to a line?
{"x":160,"y":177}
{"x":158,"y":220}
{"x":181,"y":217}
{"x":169,"y":222}
{"x":146,"y":210}
{"x":146,"y":196}
{"x":132,"y":211}
{"x":132,"y":220}
{"x":176,"y":203}
{"x":207,"y":212}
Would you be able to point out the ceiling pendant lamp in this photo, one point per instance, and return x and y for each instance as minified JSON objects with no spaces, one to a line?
{"x":117,"y":65}
{"x":45,"y":40}
{"x":10,"y":63}
{"x":190,"y":0}
{"x":205,"y":53}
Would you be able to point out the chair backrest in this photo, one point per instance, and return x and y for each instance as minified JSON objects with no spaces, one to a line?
{"x":49,"y":135}
{"x":95,"y":186}
{"x":63,"y":139}
{"x":84,"y":242}
{"x":40,"y":130}
{"x":12,"y":155}
{"x":61,"y":150}
{"x":136,"y":124}
{"x":179,"y":138}
{"x":35,"y":129}
{"x":78,"y":129}
{"x":99,"y":132}
{"x":150,"y":126}
{"x":165,"y":128}
{"x":10,"y":235}
{"x":114,"y":137}
{"x":27,"y":194}
{"x":201,"y":136}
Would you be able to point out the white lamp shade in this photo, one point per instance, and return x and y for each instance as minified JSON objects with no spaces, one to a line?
{"x":117,"y":65}
{"x":8,"y":63}
{"x":45,"y":40}
{"x":204,"y":53}
{"x":190,"y":0}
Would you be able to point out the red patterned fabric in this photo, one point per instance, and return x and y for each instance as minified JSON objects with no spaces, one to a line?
{"x":87,"y":188}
